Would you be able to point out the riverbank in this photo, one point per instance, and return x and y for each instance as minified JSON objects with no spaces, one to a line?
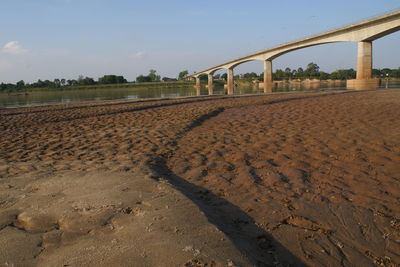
{"x":242,"y":87}
{"x":308,"y":178}
{"x":75,"y":96}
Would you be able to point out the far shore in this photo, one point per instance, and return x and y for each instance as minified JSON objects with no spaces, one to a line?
{"x":110,"y":86}
{"x":178,"y":84}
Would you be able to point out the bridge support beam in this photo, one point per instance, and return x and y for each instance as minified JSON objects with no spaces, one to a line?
{"x":210,"y":84}
{"x":267,"y":76}
{"x":230,"y":84}
{"x":364,"y":60}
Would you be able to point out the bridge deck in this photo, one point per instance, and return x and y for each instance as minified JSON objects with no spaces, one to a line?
{"x":289,"y":45}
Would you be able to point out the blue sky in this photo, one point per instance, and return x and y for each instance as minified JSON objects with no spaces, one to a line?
{"x":47,"y":39}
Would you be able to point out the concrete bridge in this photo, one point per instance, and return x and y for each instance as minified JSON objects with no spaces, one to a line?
{"x":363,"y":32}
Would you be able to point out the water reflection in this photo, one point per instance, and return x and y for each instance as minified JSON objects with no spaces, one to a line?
{"x":68,"y":96}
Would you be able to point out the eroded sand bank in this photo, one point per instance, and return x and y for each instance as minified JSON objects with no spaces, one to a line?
{"x":301,"y":178}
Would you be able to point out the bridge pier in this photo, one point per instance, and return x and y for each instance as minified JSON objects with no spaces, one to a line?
{"x":210,"y":84}
{"x":267,"y":76}
{"x":197,"y":82}
{"x":364,"y":78}
{"x":364,"y":60}
{"x":230,"y":84}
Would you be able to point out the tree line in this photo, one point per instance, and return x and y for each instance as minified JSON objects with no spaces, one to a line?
{"x":312,"y":71}
{"x":60,"y":83}
{"x":82,"y":81}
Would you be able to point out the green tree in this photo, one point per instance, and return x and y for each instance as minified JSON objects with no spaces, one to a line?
{"x":203,"y":77}
{"x":153,"y":76}
{"x":85,"y":81}
{"x":396,"y":73}
{"x":278,"y":75}
{"x":312,"y":70}
{"x":143,"y":79}
{"x":112,"y":79}
{"x":72,"y":82}
{"x":376,"y":73}
{"x":344,"y":74}
{"x":250,"y":76}
{"x":312,"y":67}
{"x":323,"y":75}
{"x":80,"y":78}
{"x":39,"y":84}
{"x":183,"y":74}
{"x":20,"y":84}
{"x":386,"y":72}
{"x":300,"y":73}
{"x":57,"y":83}
{"x":288,"y":73}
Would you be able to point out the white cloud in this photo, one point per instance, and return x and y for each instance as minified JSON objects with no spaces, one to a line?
{"x":139,"y":55}
{"x":13,"y":48}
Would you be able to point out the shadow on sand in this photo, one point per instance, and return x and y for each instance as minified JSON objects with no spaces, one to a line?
{"x":259,"y":247}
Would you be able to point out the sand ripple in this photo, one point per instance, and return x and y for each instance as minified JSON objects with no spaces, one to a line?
{"x":312,"y":177}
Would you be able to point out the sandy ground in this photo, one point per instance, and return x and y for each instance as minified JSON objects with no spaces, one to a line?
{"x":274,"y":180}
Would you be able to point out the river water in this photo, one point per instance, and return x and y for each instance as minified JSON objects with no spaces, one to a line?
{"x":67,"y":96}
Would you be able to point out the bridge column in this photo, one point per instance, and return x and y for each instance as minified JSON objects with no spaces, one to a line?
{"x":364,"y":80}
{"x":210,"y":84}
{"x":197,"y":82}
{"x":230,"y":83}
{"x":364,"y":60}
{"x":267,"y":76}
